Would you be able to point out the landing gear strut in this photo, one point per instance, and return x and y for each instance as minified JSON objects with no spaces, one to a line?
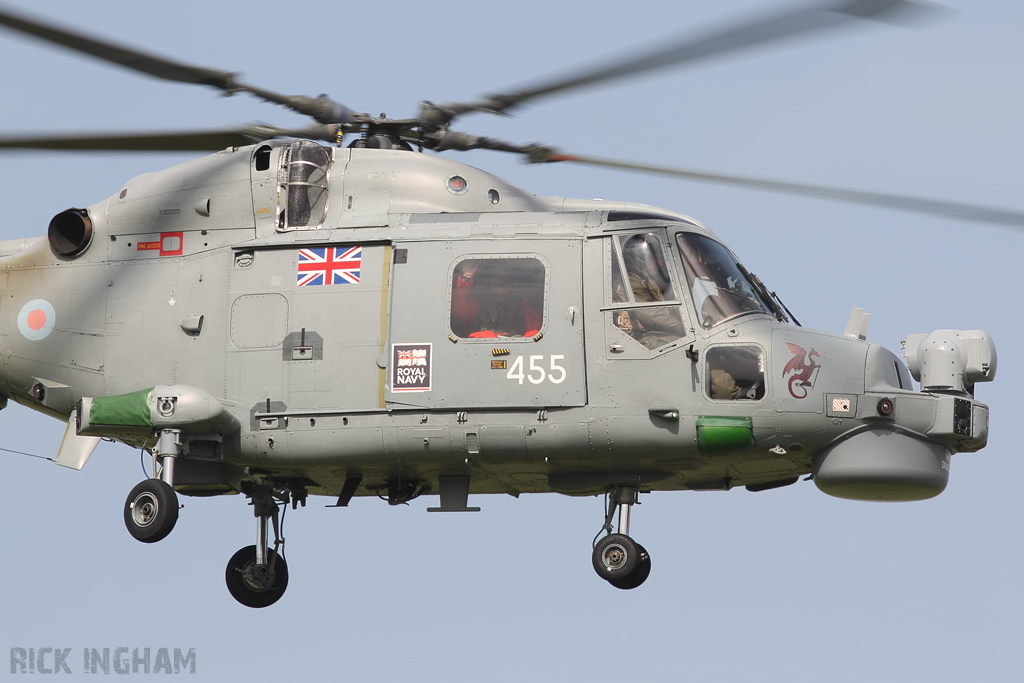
{"x":617,"y":558}
{"x":257,"y":575}
{"x":151,"y":510}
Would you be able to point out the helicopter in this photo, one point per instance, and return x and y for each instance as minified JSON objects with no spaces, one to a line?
{"x":492,"y":341}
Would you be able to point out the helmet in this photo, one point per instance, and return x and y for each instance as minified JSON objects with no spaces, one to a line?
{"x":642,"y":256}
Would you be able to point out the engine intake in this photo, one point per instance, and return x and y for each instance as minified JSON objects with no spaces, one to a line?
{"x":70,"y":232}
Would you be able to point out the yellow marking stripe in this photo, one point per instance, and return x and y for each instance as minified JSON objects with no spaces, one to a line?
{"x":384,"y":320}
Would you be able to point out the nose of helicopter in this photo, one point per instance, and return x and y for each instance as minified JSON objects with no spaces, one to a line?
{"x":903,"y":441}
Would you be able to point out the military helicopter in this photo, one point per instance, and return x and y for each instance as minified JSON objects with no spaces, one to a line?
{"x":492,"y":341}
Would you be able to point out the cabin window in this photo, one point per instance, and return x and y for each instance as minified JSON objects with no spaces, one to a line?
{"x":497,"y":297}
{"x":717,"y":283}
{"x":302,"y":186}
{"x":641,"y":282}
{"x":735,"y":373}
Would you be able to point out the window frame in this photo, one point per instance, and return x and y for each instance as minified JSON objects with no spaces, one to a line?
{"x":476,"y":256}
{"x":611,"y":307}
{"x":683,"y":265}
{"x":706,"y":369}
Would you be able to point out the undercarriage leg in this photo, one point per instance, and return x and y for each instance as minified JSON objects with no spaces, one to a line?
{"x":265,"y":509}
{"x":168,"y":445}
{"x":261,"y":541}
{"x":624,"y":519}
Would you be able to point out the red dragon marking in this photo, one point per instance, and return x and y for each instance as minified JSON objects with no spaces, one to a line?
{"x":804,"y":366}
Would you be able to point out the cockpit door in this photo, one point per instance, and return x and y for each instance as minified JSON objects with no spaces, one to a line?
{"x":643,"y":301}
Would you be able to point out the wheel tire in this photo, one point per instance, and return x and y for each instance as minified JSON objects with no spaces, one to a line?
{"x":250,"y":592}
{"x":640,"y":573}
{"x":615,"y":557}
{"x":151,"y":511}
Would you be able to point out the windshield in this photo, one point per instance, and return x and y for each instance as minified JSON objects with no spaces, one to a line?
{"x":715,"y":280}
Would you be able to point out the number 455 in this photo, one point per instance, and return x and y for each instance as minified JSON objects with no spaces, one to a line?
{"x":554,"y":373}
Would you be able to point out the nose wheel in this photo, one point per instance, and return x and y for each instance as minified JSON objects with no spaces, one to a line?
{"x":638,"y":574}
{"x":617,"y":558}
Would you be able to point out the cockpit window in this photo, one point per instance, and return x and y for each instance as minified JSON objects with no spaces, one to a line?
{"x":650,"y":312}
{"x":645,"y":267}
{"x":735,"y":373}
{"x":619,"y":294}
{"x":302,"y":186}
{"x":498,"y":297}
{"x":719,"y":288}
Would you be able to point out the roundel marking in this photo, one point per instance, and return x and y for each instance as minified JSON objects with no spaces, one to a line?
{"x":36,"y":319}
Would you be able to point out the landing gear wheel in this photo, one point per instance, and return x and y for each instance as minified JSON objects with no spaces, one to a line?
{"x":151,"y":510}
{"x":616,"y":557}
{"x":252,"y":585}
{"x":639,"y":575}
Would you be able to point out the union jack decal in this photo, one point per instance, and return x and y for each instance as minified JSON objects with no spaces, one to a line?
{"x":329,"y":266}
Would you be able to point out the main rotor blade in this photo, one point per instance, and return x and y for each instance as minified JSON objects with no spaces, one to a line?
{"x":953,"y":210}
{"x":189,"y":141}
{"x":320,"y":108}
{"x":782,"y":26}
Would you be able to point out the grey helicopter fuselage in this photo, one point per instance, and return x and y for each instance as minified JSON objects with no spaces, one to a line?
{"x":292,"y":313}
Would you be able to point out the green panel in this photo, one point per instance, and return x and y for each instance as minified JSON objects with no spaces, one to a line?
{"x":721,"y":434}
{"x":126,"y":409}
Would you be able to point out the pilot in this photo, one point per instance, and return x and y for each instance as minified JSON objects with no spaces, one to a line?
{"x":723,"y":385}
{"x":649,"y":281}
